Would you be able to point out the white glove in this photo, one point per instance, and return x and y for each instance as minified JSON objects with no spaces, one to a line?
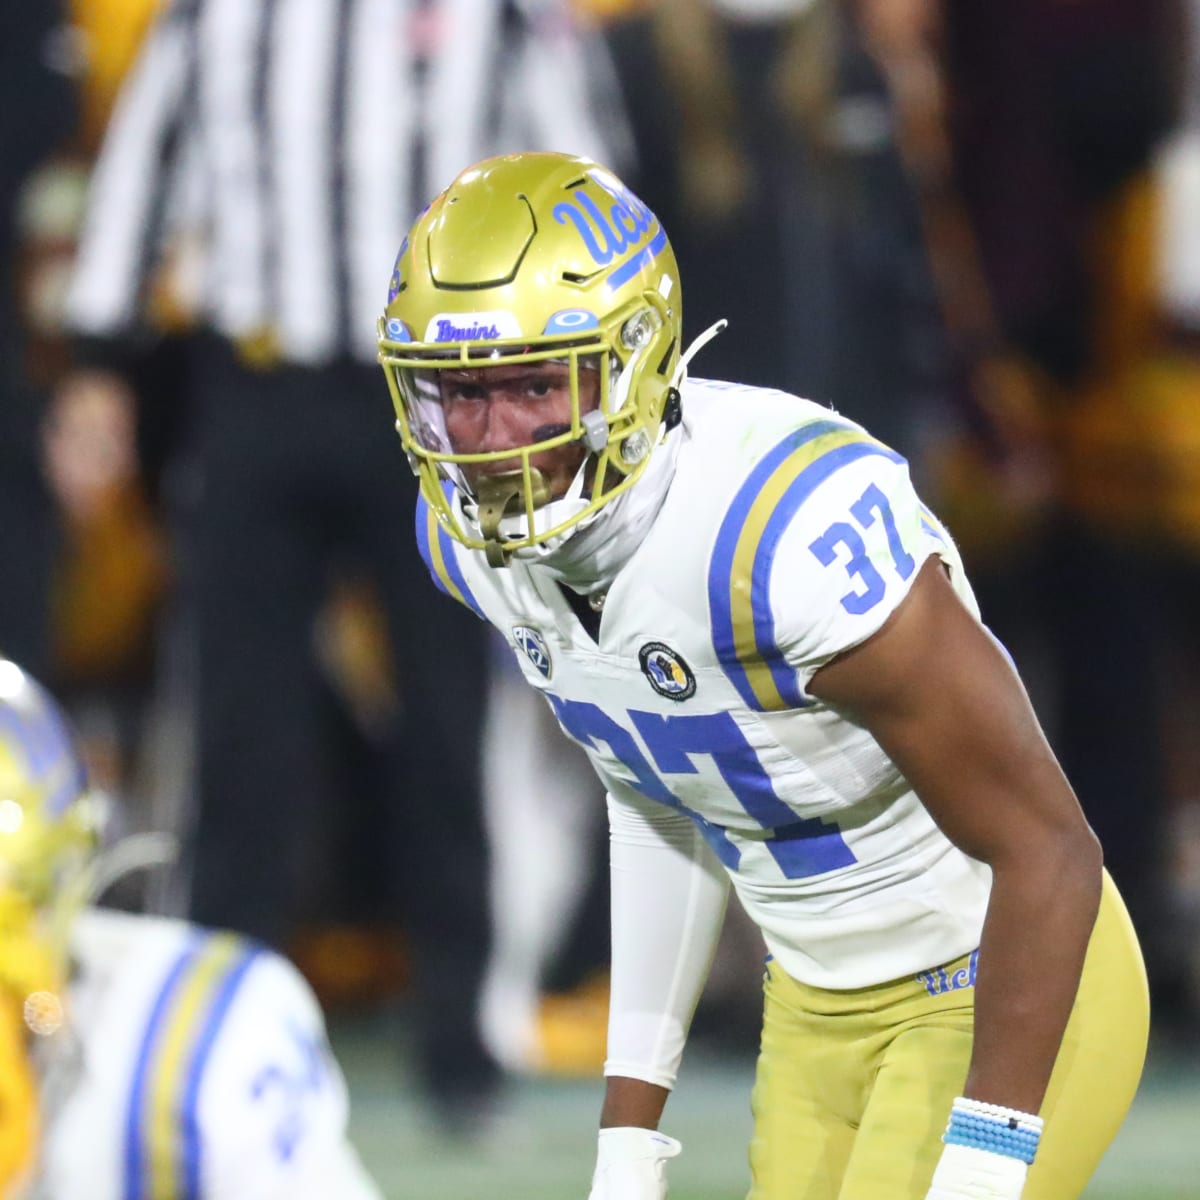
{"x":964,"y":1173}
{"x":631,"y":1164}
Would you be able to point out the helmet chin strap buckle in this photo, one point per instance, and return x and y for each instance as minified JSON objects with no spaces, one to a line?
{"x":500,"y":496}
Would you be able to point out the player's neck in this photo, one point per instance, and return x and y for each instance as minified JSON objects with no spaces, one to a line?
{"x":591,"y":559}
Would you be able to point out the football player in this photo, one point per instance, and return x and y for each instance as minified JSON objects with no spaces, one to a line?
{"x":142,"y":1057}
{"x":734,"y":600}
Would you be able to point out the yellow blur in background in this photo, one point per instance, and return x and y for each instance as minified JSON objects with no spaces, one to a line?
{"x":113,"y":30}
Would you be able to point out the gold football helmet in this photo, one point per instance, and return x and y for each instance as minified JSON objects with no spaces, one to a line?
{"x":523,"y":259}
{"x":50,"y":826}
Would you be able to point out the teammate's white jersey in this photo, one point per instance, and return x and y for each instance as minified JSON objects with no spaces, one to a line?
{"x":787,"y":536}
{"x":195,"y":1067}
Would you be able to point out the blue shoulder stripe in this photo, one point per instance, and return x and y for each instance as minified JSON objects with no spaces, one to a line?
{"x":933,"y":525}
{"x":423,"y":532}
{"x":437,"y":549}
{"x":163,"y":1152}
{"x":135,"y":1157}
{"x":739,"y":576}
{"x":189,"y":1119}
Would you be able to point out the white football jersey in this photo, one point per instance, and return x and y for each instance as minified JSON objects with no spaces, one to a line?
{"x":195,"y":1066}
{"x":787,"y":536}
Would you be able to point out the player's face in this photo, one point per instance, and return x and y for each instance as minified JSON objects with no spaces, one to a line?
{"x":493,"y":409}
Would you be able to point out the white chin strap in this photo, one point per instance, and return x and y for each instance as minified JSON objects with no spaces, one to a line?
{"x":697,"y":345}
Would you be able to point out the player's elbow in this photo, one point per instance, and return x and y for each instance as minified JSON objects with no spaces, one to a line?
{"x":1064,"y":861}
{"x":1077,"y":860}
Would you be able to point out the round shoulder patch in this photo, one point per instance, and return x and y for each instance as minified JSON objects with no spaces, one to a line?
{"x":669,"y":675}
{"x":534,"y":645}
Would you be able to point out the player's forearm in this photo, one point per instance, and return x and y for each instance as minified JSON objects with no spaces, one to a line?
{"x":632,"y":1102}
{"x":1035,"y":938}
{"x":668,"y":901}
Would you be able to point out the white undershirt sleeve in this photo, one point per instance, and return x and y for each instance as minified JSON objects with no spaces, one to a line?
{"x":668,"y":903}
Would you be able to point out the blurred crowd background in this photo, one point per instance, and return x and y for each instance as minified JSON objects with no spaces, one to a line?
{"x":973,"y":227}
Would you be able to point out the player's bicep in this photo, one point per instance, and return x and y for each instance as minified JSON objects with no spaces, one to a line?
{"x":943,"y":700}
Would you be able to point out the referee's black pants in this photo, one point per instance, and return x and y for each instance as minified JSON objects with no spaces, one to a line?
{"x":29,"y":525}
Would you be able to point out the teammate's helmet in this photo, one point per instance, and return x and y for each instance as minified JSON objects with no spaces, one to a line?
{"x":49,"y":834}
{"x":524,"y":258}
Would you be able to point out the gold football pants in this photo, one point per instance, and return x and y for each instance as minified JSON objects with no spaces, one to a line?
{"x":854,"y":1088}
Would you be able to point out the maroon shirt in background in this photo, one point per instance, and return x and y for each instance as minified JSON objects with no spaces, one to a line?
{"x":1054,"y":104}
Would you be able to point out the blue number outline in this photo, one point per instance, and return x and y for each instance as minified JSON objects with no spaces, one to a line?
{"x":873,"y":500}
{"x":802,"y":846}
{"x":824,"y":548}
{"x":842,"y":533}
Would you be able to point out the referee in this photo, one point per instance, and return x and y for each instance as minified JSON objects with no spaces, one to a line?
{"x":278,"y":149}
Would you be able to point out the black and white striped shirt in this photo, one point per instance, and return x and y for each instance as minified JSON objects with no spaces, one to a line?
{"x":295,"y":140}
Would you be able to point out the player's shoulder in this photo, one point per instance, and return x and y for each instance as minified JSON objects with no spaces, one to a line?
{"x":179,"y":966}
{"x":811,"y":533}
{"x":229,"y":1007}
{"x":743,"y":435}
{"x":762,"y":459}
{"x":108,"y":941}
{"x":224,"y":1041}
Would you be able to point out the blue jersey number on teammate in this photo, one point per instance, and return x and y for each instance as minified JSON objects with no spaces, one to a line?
{"x":801,"y":847}
{"x":864,"y":510}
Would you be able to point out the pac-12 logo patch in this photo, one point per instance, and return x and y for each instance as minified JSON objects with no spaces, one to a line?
{"x":535,"y":648}
{"x":669,"y":675}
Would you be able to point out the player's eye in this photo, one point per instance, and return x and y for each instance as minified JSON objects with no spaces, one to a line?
{"x":541,"y":386}
{"x":463,"y":392}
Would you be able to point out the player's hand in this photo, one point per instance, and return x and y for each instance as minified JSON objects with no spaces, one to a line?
{"x":964,"y":1173}
{"x":631,"y":1164}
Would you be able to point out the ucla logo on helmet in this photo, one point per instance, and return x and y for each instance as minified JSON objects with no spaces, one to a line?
{"x":668,"y":673}
{"x":534,"y":645}
{"x":608,"y":235}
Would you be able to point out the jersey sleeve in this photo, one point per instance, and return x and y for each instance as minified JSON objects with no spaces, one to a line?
{"x":846,"y":560}
{"x":818,"y":547}
{"x":273,"y":1108}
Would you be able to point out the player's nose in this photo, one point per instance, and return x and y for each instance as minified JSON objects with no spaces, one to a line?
{"x":506,"y":425}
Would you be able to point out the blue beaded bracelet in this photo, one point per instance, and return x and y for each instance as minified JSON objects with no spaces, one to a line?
{"x":1010,"y":1136}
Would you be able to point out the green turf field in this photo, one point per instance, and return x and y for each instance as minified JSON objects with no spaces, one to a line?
{"x":542,"y":1148}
